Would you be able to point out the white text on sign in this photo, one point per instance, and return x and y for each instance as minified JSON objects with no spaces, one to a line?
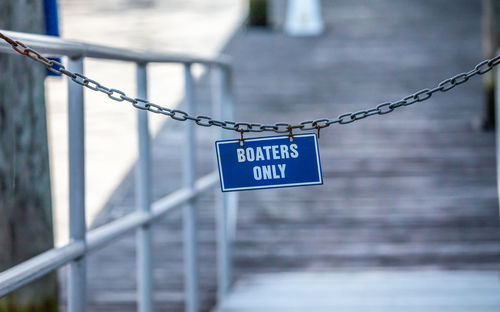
{"x":269,"y":152}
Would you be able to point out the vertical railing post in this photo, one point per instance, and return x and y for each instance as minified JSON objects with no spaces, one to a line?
{"x":226,"y":202}
{"x":497,"y":121}
{"x":143,"y":200}
{"x":77,"y":297}
{"x":189,"y":210}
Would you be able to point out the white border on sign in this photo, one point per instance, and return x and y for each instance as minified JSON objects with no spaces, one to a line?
{"x":217,"y":143}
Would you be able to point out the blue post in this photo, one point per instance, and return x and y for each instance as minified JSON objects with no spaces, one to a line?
{"x":51,"y":25}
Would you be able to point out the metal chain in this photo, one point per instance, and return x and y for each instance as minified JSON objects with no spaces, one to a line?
{"x":207,"y":121}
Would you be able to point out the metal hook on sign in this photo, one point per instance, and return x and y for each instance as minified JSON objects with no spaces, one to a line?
{"x":242,"y":140}
{"x":290,"y":134}
{"x":318,"y":128}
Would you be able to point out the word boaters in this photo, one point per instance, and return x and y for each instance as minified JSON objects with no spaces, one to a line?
{"x":269,"y":162}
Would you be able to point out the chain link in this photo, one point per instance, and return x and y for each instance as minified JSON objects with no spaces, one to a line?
{"x":280,"y":127}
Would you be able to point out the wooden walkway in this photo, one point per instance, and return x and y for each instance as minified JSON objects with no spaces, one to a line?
{"x":413,"y":190}
{"x":367,"y":291}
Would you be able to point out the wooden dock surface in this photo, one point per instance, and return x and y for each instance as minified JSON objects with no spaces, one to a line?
{"x":367,"y":291}
{"x":411,"y":190}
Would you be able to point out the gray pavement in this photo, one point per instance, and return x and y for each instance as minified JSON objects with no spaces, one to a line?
{"x":411,"y":190}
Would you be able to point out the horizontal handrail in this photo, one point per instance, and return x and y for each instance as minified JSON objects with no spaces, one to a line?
{"x":36,"y":267}
{"x":53,"y":259}
{"x":105,"y":234}
{"x":56,"y":46}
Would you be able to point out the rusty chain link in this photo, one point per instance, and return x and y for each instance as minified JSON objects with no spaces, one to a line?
{"x":207,"y":121}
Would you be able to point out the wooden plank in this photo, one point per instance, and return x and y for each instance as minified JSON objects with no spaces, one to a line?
{"x":367,"y":291}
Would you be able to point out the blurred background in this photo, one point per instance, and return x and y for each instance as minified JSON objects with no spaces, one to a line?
{"x":406,"y":195}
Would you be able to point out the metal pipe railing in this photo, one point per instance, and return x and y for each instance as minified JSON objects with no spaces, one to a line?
{"x":497,"y":126}
{"x":55,"y":46}
{"x":36,"y":267}
{"x":77,"y":282}
{"x":143,"y":200}
{"x":222,"y":109}
{"x":83,"y":242}
{"x":189,"y":210}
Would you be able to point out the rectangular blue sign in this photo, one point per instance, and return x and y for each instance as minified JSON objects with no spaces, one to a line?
{"x":269,"y":162}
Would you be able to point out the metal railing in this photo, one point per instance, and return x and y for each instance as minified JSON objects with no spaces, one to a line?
{"x":82,"y":241}
{"x":497,"y":127}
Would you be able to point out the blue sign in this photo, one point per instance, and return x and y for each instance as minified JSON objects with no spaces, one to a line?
{"x":269,"y":162}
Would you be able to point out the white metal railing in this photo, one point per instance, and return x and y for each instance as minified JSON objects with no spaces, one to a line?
{"x":82,"y":241}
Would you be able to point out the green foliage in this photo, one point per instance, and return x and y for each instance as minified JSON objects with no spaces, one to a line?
{"x":46,"y":305}
{"x":258,"y":13}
